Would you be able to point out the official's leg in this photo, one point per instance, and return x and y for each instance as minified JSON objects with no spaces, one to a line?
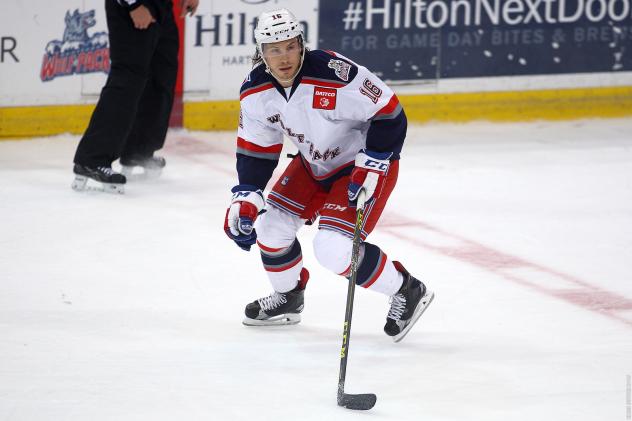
{"x":130,"y":53}
{"x":152,"y":120}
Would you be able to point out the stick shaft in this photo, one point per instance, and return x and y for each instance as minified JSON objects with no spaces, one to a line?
{"x":355,"y":255}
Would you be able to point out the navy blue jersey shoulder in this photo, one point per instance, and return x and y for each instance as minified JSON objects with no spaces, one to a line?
{"x":256,"y":77}
{"x":327,"y":65}
{"x":252,"y":170}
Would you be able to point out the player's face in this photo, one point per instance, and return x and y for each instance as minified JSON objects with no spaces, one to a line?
{"x":283,"y":57}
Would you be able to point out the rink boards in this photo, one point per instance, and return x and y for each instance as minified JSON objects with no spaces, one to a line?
{"x":447,"y":61}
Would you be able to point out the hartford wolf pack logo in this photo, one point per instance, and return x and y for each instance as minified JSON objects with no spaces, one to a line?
{"x":340,"y":68}
{"x":78,"y":52}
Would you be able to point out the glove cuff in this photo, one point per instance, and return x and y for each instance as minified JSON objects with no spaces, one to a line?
{"x":243,"y":187}
{"x":248,"y":193}
{"x":377,"y":155}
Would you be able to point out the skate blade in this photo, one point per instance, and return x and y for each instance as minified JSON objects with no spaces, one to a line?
{"x":79,"y":183}
{"x":82,"y":183}
{"x":421,"y":307}
{"x":142,"y":174}
{"x":281,"y":320}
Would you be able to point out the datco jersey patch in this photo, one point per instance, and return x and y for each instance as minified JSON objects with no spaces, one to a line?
{"x":324,"y":98}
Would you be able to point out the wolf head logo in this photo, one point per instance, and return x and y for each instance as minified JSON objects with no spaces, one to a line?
{"x":77,"y":26}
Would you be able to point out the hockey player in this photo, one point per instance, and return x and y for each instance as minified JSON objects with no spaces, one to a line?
{"x":349,"y":129}
{"x":131,"y":117}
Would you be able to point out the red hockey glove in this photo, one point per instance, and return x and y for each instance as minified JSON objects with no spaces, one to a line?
{"x":246,"y":205}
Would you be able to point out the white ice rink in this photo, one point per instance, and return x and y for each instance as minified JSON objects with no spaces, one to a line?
{"x":130,"y":307}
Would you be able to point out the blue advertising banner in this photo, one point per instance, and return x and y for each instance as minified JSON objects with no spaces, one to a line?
{"x":420,"y":40}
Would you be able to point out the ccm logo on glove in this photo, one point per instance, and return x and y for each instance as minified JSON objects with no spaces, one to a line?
{"x":378,"y":165}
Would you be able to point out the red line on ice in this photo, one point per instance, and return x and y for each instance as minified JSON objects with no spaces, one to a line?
{"x":582,"y":294}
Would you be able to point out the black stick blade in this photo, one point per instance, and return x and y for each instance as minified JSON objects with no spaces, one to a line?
{"x":362,"y":402}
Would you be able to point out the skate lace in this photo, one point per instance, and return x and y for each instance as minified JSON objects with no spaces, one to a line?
{"x":398,"y":306}
{"x":106,"y":170}
{"x":272,"y":301}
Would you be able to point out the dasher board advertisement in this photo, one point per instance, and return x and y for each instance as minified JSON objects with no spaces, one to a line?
{"x":415,"y":40}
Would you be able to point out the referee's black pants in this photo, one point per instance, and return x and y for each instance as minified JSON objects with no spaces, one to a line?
{"x":132,"y":115}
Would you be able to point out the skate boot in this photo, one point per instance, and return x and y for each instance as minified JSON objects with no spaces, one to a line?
{"x":108,"y":181}
{"x":407,"y":305}
{"x":148,"y":167}
{"x":278,"y":308}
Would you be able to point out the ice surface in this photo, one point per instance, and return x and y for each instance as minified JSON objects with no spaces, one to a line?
{"x":129,"y":307}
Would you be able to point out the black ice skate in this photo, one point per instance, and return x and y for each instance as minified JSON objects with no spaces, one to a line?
{"x":142,"y":168}
{"x":278,"y":308}
{"x":407,"y":305}
{"x":108,"y":180}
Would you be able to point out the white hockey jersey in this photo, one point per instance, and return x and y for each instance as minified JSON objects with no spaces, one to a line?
{"x":334,"y":109}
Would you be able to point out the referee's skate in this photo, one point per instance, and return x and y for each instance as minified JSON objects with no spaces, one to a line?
{"x":99,"y":179}
{"x":142,"y":168}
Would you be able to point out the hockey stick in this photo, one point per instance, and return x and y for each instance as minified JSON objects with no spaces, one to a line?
{"x":367,"y":400}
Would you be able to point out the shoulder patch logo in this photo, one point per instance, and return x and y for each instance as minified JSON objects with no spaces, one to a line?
{"x":324,"y":98}
{"x":341,"y":68}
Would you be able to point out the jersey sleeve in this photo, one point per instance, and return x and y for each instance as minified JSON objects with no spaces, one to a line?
{"x":258,"y":148}
{"x":381,"y":108}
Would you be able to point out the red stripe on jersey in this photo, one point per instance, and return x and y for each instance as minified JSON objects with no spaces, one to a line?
{"x":333,"y":53}
{"x":269,"y":249}
{"x":318,"y":82}
{"x":244,"y":144}
{"x":371,"y":281}
{"x":255,"y":90}
{"x":390,"y":107}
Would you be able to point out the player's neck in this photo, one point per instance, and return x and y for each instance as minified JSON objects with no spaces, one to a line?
{"x":286,"y":83}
